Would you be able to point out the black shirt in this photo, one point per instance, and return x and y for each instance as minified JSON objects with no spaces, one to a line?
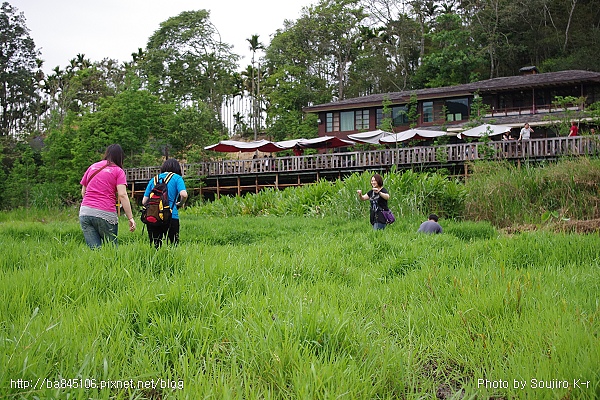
{"x":378,"y":203}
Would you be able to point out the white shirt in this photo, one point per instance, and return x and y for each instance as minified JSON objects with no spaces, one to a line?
{"x":526,"y":133}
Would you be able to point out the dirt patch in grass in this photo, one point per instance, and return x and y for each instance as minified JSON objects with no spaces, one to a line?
{"x":448,"y":375}
{"x":571,"y":226}
{"x":511,"y":230}
{"x":586,"y":226}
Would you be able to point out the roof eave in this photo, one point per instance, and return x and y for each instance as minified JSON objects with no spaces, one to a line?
{"x":495,"y":85}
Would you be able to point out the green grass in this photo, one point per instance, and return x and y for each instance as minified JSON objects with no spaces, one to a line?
{"x":505,"y":194}
{"x":292,"y":307}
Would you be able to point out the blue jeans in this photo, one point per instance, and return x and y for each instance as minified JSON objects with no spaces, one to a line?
{"x":97,"y":231}
{"x":378,"y":226}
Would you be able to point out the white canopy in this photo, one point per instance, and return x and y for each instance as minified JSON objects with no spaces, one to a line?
{"x":289,"y":144}
{"x":371,"y":137}
{"x":485,"y":129}
{"x":325,"y":142}
{"x":232,"y":146}
{"x":321,"y":142}
{"x":415,"y":134}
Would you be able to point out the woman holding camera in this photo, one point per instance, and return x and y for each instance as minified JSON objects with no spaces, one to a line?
{"x":378,"y":197}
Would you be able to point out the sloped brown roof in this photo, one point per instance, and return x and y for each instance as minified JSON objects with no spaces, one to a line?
{"x":494,"y":85}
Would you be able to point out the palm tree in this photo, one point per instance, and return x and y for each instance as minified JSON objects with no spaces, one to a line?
{"x":255,"y":45}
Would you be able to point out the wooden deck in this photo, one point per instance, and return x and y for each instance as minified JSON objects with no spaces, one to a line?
{"x":215,"y":178}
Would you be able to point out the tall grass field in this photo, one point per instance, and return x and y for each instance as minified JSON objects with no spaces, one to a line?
{"x":310,"y":303}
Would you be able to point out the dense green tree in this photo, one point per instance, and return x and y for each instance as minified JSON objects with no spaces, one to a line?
{"x":286,"y":97}
{"x":186,"y":61}
{"x":551,"y":34}
{"x":388,"y":57}
{"x":79,"y":87}
{"x":135,"y":119}
{"x":194,"y":129}
{"x":308,"y":62}
{"x":293,"y":82}
{"x":454,"y":58}
{"x":19,"y":190}
{"x":18,"y":67}
{"x":167,"y":101}
{"x":59,"y":172}
{"x":335,"y":27}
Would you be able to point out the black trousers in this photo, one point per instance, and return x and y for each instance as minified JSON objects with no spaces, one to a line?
{"x":157,"y":234}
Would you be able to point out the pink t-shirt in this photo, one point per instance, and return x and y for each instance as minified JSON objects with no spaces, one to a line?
{"x":101,"y":192}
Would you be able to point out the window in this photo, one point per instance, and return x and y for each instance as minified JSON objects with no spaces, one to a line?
{"x":399,"y":116}
{"x":347,"y":121}
{"x":428,"y":111}
{"x":362,"y":119}
{"x":379,"y":117}
{"x":332,"y":123}
{"x":456,"y":109}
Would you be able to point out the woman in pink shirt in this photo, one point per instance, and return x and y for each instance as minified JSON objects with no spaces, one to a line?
{"x":101,"y":184}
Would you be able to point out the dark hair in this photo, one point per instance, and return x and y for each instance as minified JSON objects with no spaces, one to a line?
{"x":378,"y":179}
{"x":433,"y":217}
{"x":115,"y":154}
{"x":171,"y":165}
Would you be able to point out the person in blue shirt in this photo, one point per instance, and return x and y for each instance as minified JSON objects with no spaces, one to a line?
{"x":177,"y":197}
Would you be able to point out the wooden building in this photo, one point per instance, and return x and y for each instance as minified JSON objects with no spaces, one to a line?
{"x":511,"y":101}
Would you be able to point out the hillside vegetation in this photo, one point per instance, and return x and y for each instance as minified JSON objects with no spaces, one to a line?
{"x":554,"y":195}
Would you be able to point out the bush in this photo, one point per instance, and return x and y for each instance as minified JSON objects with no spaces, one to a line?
{"x":411,"y":193}
{"x":505,"y":194}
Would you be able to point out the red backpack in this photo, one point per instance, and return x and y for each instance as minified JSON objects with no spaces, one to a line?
{"x":157,"y":210}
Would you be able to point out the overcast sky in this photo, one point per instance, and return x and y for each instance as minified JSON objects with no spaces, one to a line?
{"x":114,"y":29}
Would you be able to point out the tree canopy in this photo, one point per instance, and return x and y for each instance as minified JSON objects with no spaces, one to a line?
{"x":185,"y":89}
{"x":18,"y":65}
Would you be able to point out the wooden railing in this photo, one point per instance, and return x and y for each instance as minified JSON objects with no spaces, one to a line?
{"x":403,"y":156}
{"x":529,"y":110}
